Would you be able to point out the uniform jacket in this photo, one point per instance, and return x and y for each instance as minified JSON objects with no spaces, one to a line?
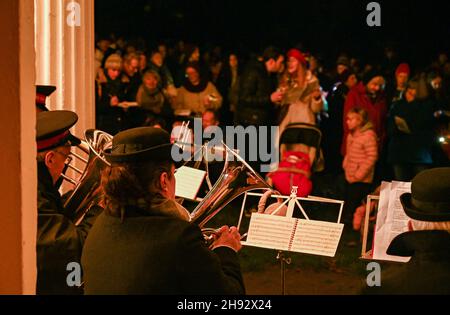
{"x":59,"y":241}
{"x":156,"y":251}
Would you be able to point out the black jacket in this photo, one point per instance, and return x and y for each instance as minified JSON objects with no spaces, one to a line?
{"x":59,"y":241}
{"x":131,"y":86}
{"x":156,"y":254}
{"x":110,"y":119}
{"x":256,"y":86}
{"x":428,"y":271}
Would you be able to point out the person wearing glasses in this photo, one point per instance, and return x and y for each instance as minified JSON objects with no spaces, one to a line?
{"x":59,"y":241}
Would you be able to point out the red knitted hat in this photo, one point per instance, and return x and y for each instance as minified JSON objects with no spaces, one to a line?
{"x":297,"y":54}
{"x":402,"y":68}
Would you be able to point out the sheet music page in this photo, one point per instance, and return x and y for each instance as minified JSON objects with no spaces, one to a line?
{"x":392,"y":221}
{"x":188,"y":181}
{"x":128,"y":104}
{"x":317,"y":237}
{"x":270,"y":231}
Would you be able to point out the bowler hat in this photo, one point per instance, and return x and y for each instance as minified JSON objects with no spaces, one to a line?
{"x":140,"y":144}
{"x":429,"y":199}
{"x":52,"y":129}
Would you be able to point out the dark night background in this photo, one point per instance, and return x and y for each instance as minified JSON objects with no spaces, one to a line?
{"x":418,"y":30}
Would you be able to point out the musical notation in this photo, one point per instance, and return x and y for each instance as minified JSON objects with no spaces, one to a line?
{"x":268,"y":231}
{"x":188,"y":182}
{"x":297,"y":235}
{"x":317,"y":237}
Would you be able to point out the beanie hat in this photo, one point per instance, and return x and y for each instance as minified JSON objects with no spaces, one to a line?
{"x":297,"y":54}
{"x":369,"y":75}
{"x":402,"y":68}
{"x":114,"y":61}
{"x":343,"y":60}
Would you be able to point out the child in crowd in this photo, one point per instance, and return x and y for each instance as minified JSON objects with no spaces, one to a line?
{"x":359,"y":160}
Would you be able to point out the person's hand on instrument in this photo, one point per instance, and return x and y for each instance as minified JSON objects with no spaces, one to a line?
{"x":228,"y":237}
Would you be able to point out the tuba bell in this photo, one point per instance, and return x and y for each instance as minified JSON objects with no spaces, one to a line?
{"x":236,"y":178}
{"x":87,"y":189}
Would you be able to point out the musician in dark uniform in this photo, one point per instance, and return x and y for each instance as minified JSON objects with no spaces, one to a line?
{"x":143,"y":243}
{"x":42,"y":92}
{"x":59,"y":241}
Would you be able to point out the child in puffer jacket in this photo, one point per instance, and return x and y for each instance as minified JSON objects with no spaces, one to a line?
{"x":359,"y":160}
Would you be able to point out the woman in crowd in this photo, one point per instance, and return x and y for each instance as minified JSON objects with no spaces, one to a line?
{"x":110,"y":117}
{"x":197,"y":93}
{"x":302,"y":98}
{"x":228,"y":86}
{"x":410,"y":130}
{"x":153,"y":102}
{"x":156,"y":63}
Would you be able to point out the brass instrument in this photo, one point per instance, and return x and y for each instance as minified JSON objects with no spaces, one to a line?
{"x":237,"y":177}
{"x":86,"y":192}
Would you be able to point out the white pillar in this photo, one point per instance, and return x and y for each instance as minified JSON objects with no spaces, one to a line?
{"x":18,"y":159}
{"x":64,"y":36}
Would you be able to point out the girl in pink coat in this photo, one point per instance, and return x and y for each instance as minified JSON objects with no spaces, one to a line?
{"x":359,"y":161}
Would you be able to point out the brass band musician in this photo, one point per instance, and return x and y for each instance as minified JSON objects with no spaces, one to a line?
{"x":143,"y":242}
{"x":59,"y":241}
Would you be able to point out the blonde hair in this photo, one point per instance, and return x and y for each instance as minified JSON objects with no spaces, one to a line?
{"x":365,"y":121}
{"x":427,"y":226}
{"x":114,"y":61}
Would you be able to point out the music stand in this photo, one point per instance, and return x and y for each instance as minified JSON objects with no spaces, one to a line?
{"x":364,"y":253}
{"x":296,"y":235}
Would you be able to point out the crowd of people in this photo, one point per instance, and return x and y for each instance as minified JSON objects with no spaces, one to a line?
{"x":377,"y":122}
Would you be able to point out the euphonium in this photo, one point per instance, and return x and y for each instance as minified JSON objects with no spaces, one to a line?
{"x":87,"y":188}
{"x":237,"y":177}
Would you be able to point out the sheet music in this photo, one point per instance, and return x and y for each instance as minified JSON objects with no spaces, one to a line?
{"x":317,"y":237}
{"x":188,"y":182}
{"x":270,"y":231}
{"x":128,"y":104}
{"x":297,"y":235}
{"x":391,"y":219}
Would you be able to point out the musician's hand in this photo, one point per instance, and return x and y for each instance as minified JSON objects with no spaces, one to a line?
{"x":228,"y":237}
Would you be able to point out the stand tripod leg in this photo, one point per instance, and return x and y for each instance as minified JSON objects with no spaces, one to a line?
{"x":283,"y":262}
